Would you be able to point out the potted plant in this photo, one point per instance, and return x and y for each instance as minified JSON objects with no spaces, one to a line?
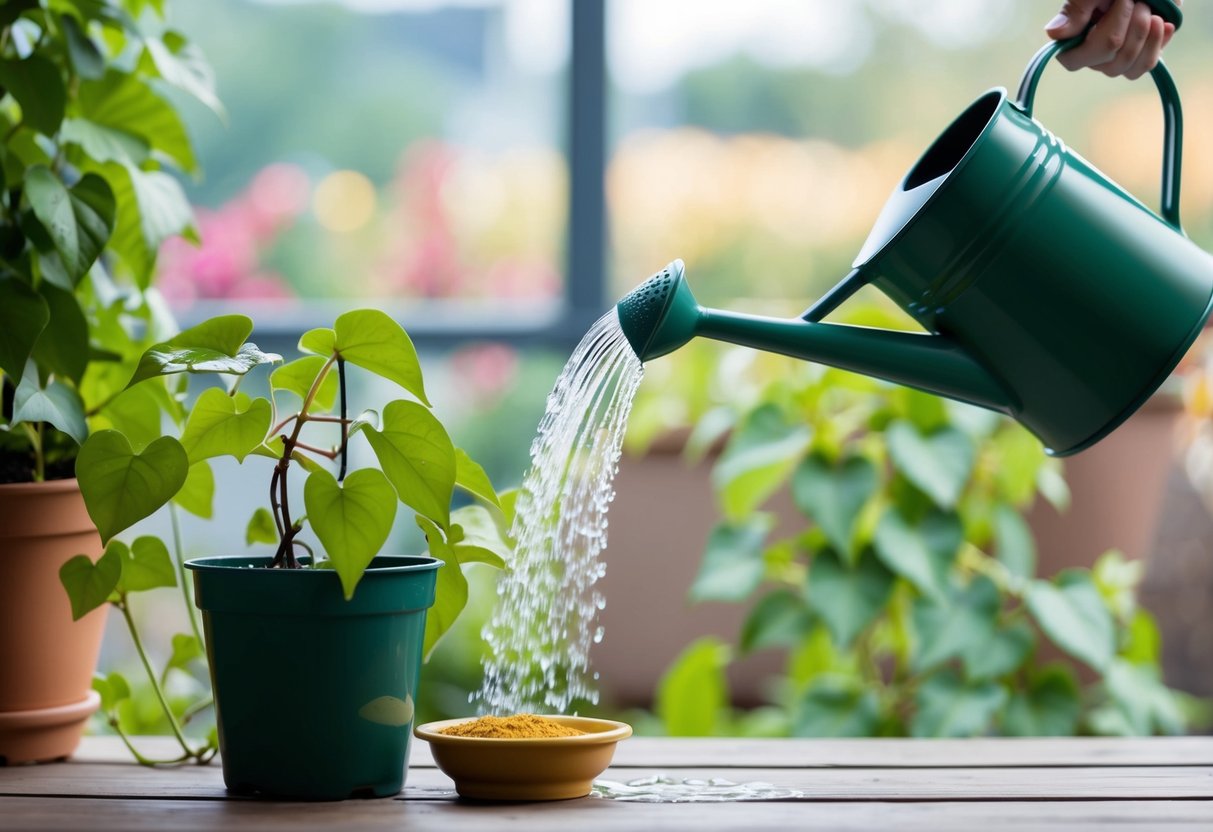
{"x":315,"y":649}
{"x":88,"y":138}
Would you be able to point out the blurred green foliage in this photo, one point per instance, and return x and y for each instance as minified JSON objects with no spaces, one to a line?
{"x":907,"y":598}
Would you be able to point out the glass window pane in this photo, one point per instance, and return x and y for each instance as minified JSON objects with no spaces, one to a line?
{"x":406,"y":151}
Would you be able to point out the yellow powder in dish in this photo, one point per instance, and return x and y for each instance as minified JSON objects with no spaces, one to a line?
{"x":518,"y":726}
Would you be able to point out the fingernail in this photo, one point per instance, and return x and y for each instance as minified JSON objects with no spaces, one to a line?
{"x":1057,"y":22}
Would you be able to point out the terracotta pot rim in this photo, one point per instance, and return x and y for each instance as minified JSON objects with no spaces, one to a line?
{"x":49,"y":717}
{"x":48,"y":487}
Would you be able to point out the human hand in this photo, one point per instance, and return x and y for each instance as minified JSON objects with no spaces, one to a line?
{"x":1127,"y":38}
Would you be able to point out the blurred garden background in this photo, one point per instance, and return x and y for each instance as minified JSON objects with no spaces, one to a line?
{"x":415,"y":154}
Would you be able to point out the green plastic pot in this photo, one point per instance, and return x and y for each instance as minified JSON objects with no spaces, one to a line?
{"x":314,"y":694}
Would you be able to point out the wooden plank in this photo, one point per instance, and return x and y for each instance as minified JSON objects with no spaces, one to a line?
{"x":592,"y":815}
{"x":1117,"y":783}
{"x":905,"y":753}
{"x":650,"y":752}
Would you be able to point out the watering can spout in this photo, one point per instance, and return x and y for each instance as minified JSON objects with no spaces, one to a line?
{"x":662,"y":315}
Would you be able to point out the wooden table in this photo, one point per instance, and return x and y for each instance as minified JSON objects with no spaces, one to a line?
{"x":983,"y":785}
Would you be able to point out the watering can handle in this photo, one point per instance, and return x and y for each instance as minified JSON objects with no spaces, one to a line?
{"x":1172,"y":151}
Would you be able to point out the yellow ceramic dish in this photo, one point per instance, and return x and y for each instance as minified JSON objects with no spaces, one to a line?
{"x":531,"y":768}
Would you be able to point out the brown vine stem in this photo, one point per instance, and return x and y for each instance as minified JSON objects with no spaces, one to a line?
{"x":329,"y":454}
{"x":285,"y":556}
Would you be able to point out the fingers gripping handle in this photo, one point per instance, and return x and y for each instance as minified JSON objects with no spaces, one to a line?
{"x":1168,"y":10}
{"x":1172,"y":157}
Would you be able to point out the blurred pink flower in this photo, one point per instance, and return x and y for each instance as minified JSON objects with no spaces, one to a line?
{"x":226,"y":264}
{"x":424,"y":256}
{"x":486,"y":371}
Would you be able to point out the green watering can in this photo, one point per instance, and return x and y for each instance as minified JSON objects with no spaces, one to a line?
{"x":1047,"y":291}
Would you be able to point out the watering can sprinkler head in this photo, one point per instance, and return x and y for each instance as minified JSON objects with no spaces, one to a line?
{"x":661,"y":314}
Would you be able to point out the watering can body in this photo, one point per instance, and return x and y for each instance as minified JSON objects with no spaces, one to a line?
{"x":1046,"y":291}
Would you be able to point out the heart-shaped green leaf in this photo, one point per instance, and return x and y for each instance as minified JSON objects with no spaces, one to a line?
{"x":1074,"y":616}
{"x":183,"y":65}
{"x":220,"y":425}
{"x":78,"y":222}
{"x":1001,"y":655}
{"x":88,"y":584}
{"x":197,"y":496}
{"x":922,"y":553}
{"x":451,"y":592}
{"x":63,"y":346}
{"x":112,"y":688}
{"x":833,"y":495}
{"x":166,"y":359}
{"x":299,"y":375}
{"x":757,"y":461}
{"x":939,"y":464}
{"x":23,"y":316}
{"x":136,"y":412}
{"x":471,"y":478}
{"x":352,"y":519}
{"x":261,"y":528}
{"x":693,"y":694}
{"x":837,"y":707}
{"x":104,"y":144}
{"x":947,"y":707}
{"x":732,"y":565}
{"x":123,"y":101}
{"x":847,"y":598}
{"x":374,"y":341}
{"x":86,"y":56}
{"x":222,"y":333}
{"x":38,"y":87}
{"x":186,"y":649}
{"x":1015,"y":547}
{"x":417,"y":455}
{"x":152,"y":207}
{"x":477,"y":538}
{"x":56,"y":404}
{"x":779,"y":619}
{"x":121,"y":487}
{"x":321,"y":341}
{"x":965,"y":625}
{"x":146,"y":565}
{"x":1048,"y":708}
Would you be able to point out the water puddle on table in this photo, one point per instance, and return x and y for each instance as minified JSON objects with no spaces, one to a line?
{"x":661,"y":789}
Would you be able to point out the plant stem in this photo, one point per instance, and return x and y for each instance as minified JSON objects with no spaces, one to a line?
{"x":139,"y":758}
{"x":278,"y":428}
{"x":345,"y":434}
{"x":39,"y":453}
{"x":196,"y":708}
{"x":285,"y":556}
{"x":151,"y":675}
{"x":329,"y":454}
{"x":178,"y":551}
{"x":286,"y":512}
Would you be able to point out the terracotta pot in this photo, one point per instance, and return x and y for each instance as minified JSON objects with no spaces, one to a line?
{"x":1116,"y":493}
{"x":46,"y":659}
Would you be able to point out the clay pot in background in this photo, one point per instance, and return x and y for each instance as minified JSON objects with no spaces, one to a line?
{"x":1117,"y":492}
{"x":46,"y":659}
